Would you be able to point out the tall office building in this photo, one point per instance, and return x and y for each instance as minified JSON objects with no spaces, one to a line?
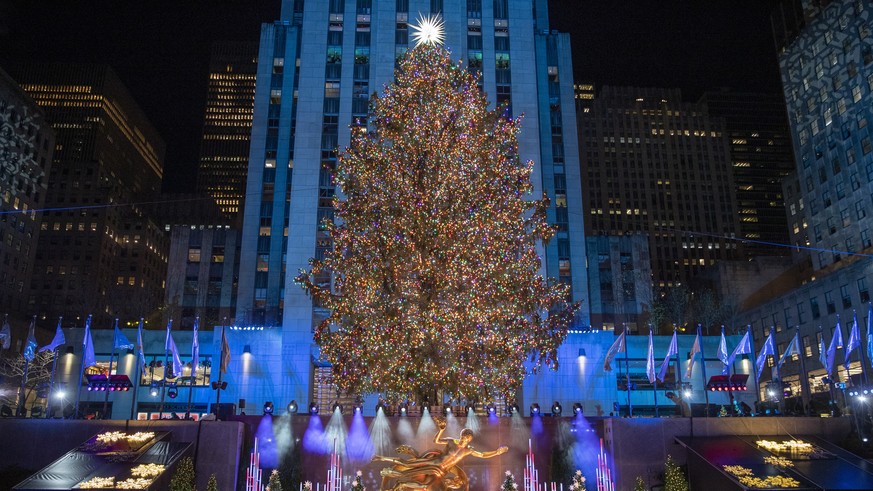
{"x":227,"y":126}
{"x":826,"y":62}
{"x":653,"y":164}
{"x":761,"y":157}
{"x":317,"y":67}
{"x":26,"y":146}
{"x":99,"y":252}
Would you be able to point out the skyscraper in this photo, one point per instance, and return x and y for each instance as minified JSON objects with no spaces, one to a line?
{"x":656,"y":165}
{"x":227,"y":125}
{"x":826,"y":63}
{"x":761,"y":157}
{"x":317,"y":67}
{"x":26,"y":146}
{"x":99,"y":252}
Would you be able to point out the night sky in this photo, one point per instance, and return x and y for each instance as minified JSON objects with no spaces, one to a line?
{"x":160,"y":49}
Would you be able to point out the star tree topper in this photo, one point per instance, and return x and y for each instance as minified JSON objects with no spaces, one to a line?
{"x":429,"y":30}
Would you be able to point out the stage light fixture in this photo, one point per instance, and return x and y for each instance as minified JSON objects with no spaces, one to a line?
{"x":491,"y":409}
{"x":153,"y":391}
{"x":687,"y":393}
{"x":359,"y":405}
{"x":268,"y":408}
{"x":447,"y":410}
{"x":337,"y":407}
{"x":380,"y":406}
{"x":292,"y":407}
{"x":60,"y":394}
{"x":535,"y":409}
{"x":172,"y":392}
{"x":469,"y":407}
{"x":404,"y":408}
{"x":557,"y":409}
{"x":513,"y":409}
{"x":577,"y":409}
{"x":313,"y":409}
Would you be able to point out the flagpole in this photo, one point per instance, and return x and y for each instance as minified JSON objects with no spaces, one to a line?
{"x":81,"y":370}
{"x":755,"y":370}
{"x":194,"y":364}
{"x":804,"y":380}
{"x":655,"y":383}
{"x":20,"y":411}
{"x":138,"y":370}
{"x":630,"y":407}
{"x":48,"y":405}
{"x":109,"y":373}
{"x":861,"y":349}
{"x":703,"y":368}
{"x":166,"y":362}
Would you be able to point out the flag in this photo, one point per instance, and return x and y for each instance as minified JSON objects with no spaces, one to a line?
{"x":140,"y":353}
{"x":225,"y":351}
{"x":170,"y":346}
{"x":56,"y":341}
{"x":722,"y":352}
{"x":88,"y":358}
{"x":120,"y":341}
{"x":792,"y":349}
{"x":650,"y":360}
{"x":822,"y":351}
{"x":854,"y":340}
{"x":5,"y":335}
{"x":768,"y":349}
{"x":618,"y":346}
{"x":870,"y":334}
{"x":195,"y":348}
{"x":836,"y":342}
{"x":744,"y":348}
{"x":30,"y":345}
{"x":695,"y":349}
{"x":671,"y":351}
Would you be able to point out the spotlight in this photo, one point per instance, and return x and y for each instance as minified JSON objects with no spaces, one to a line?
{"x":292,"y":407}
{"x":172,"y":392}
{"x":313,"y":409}
{"x":90,"y":388}
{"x":337,"y":407}
{"x":687,"y":394}
{"x":247,"y":349}
{"x":153,"y":391}
{"x":577,"y":409}
{"x":513,"y":409}
{"x":557,"y":409}
{"x":535,"y":409}
{"x":491,"y":409}
{"x":380,"y":406}
{"x":447,"y":410}
{"x":268,"y":407}
{"x":359,"y":405}
{"x":60,"y":394}
{"x":469,"y":407}
{"x":404,"y":408}
{"x":862,"y":398}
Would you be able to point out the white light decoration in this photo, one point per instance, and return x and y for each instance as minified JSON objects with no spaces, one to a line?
{"x":429,"y":30}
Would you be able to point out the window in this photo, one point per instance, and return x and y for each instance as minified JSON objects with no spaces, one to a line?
{"x":865,"y":239}
{"x":860,"y":210}
{"x":194,"y":255}
{"x":829,"y":302}
{"x":813,"y":306}
{"x":863,"y":292}
{"x":847,"y":298}
{"x":807,"y":348}
{"x":800,"y":319}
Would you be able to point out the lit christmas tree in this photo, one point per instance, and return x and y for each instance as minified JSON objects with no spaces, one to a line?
{"x":578,"y":483}
{"x":674,"y":478}
{"x":509,"y":483}
{"x":436,"y":277}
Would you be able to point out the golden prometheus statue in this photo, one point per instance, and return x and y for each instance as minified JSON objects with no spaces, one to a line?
{"x":434,"y":470}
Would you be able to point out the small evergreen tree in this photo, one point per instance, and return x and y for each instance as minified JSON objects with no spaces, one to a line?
{"x":275,"y":484}
{"x":212,"y":485}
{"x":578,"y":483}
{"x":358,"y":484}
{"x":183,"y":479}
{"x":509,"y":483}
{"x":674,"y":477}
{"x":639,"y":485}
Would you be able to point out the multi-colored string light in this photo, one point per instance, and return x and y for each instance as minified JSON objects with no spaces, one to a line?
{"x":435,"y":272}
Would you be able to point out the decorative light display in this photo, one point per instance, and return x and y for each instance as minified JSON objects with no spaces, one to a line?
{"x":777,"y":461}
{"x":792,"y":446}
{"x":134,"y":483}
{"x":747,"y":478}
{"x":578,"y":483}
{"x":674,"y":477}
{"x":509,"y":483}
{"x":110,"y":437}
{"x":434,"y":266}
{"x":97,"y":483}
{"x":357,"y":483}
{"x":147,"y":470}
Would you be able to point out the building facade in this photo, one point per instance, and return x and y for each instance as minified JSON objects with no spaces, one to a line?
{"x":27,"y":143}
{"x":227,"y":125}
{"x":826,"y":62}
{"x":316,"y":69}
{"x":620,"y":278}
{"x":761,"y":157}
{"x":99,"y":251}
{"x":655,"y":165}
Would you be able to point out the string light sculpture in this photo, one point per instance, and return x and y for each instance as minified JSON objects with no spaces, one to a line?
{"x":434,"y":278}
